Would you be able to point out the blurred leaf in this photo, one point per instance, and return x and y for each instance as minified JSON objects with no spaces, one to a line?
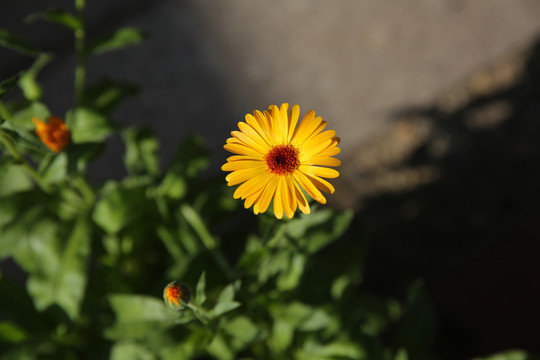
{"x":57,"y":169}
{"x":56,"y":16}
{"x":242,"y":329}
{"x":120,"y":38}
{"x":290,"y":278}
{"x":7,"y":85}
{"x":224,"y":307}
{"x":333,"y":350}
{"x":130,"y":351}
{"x":28,"y":81}
{"x":87,"y":125}
{"x":200,"y":290}
{"x":401,"y":354}
{"x":11,"y":333}
{"x":137,"y":316}
{"x":282,"y":335}
{"x":63,"y":281}
{"x":120,"y":207}
{"x":219,"y":348}
{"x":191,"y":157}
{"x":17,"y":43}
{"x":106,"y":94}
{"x":318,"y":229}
{"x":22,"y":118}
{"x":173,"y":186}
{"x":13,"y":179}
{"x":79,"y":155}
{"x":417,"y":328}
{"x":141,"y":152}
{"x":509,"y":355}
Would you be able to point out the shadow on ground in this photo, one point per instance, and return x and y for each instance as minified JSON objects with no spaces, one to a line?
{"x":473,"y":234}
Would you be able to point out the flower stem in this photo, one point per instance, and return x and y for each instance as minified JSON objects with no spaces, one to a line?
{"x":30,"y":171}
{"x":80,"y":70}
{"x":206,"y":238}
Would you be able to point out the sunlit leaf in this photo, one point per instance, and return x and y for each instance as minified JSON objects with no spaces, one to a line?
{"x":87,"y":125}
{"x":119,"y":208}
{"x":106,"y":94}
{"x":119,"y":39}
{"x":56,"y":16}
{"x":13,"y":178}
{"x":28,"y":81}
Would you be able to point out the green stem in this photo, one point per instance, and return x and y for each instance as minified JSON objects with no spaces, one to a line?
{"x":30,"y":171}
{"x":86,"y":190}
{"x":80,"y":70}
{"x":206,"y":238}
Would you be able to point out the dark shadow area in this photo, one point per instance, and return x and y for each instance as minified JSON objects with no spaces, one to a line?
{"x":473,"y":235}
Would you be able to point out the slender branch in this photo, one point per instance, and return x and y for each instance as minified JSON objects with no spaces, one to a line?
{"x":80,"y":70}
{"x":30,"y":171}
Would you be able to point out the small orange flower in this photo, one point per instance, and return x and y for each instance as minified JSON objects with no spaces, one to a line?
{"x":55,"y":134}
{"x":176,"y":295}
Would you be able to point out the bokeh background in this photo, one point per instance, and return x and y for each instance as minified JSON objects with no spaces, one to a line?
{"x":437,"y":103}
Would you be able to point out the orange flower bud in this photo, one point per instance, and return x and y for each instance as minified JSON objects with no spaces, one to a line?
{"x":55,"y":134}
{"x":176,"y":295}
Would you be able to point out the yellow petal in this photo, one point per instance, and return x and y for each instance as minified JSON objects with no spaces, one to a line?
{"x":278,"y":204}
{"x":306,"y":128}
{"x":256,"y":134}
{"x":321,"y":184}
{"x":318,"y":171}
{"x":243,"y":164}
{"x":250,"y":186}
{"x":286,"y":198}
{"x":303,"y":204}
{"x":318,"y":139}
{"x":293,"y":119}
{"x":239,"y":176}
{"x":262,"y":205}
{"x":324,"y":161}
{"x":309,"y":187}
{"x":242,"y":150}
{"x":241,"y":158}
{"x":261,"y":147}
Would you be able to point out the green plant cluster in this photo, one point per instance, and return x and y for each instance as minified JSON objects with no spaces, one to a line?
{"x":85,"y":265}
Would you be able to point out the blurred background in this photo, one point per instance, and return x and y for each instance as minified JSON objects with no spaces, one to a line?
{"x":437,"y":103}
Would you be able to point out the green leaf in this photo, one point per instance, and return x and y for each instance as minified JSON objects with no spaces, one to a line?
{"x":401,"y":354}
{"x":119,"y":39}
{"x":200,"y":290}
{"x":190,"y":158}
{"x":57,"y":169}
{"x":141,"y":152}
{"x":28,"y":81}
{"x":11,"y":333}
{"x":224,"y":307}
{"x":282,"y":335}
{"x":56,"y":16}
{"x":63,"y":281}
{"x":120,"y":207}
{"x":130,"y":351}
{"x":290,"y":279}
{"x":509,"y":355}
{"x":334,"y":350}
{"x":242,"y":329}
{"x":13,"y":179}
{"x":137,"y":316}
{"x":7,"y":85}
{"x":219,"y":348}
{"x":106,"y":94}
{"x":15,"y":42}
{"x":22,"y":118}
{"x":87,"y":125}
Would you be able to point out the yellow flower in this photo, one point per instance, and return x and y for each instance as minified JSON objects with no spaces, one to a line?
{"x":55,"y":134}
{"x":277,"y":160}
{"x":176,"y":295}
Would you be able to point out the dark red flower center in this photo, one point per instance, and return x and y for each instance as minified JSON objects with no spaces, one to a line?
{"x":282,"y":159}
